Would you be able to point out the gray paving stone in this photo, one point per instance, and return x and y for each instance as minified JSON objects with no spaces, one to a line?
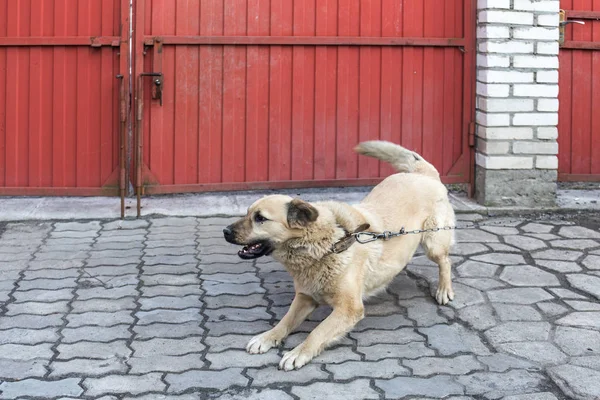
{"x":77,"y":226}
{"x":476,"y":268}
{"x":423,"y":312}
{"x":171,"y":302}
{"x":381,"y":351}
{"x":483,"y":284}
{"x":102,"y":293}
{"x":518,"y":295}
{"x":167,"y":347}
{"x":272,"y":375}
{"x":503,"y":248}
{"x":55,"y":264}
{"x":39,"y":388}
{"x":228,"y":342}
{"x":95,"y":262}
{"x":218,"y":268}
{"x":253,"y":394}
{"x":102,"y":254}
{"x":585,"y":319}
{"x":592,"y":362}
{"x":237,"y":314}
{"x":566,"y":293}
{"x":518,"y":332}
{"x":86,"y":368}
{"x":495,"y":385}
{"x":22,"y":352}
{"x":10,"y":275}
{"x":387,"y":322}
{"x":500,"y":362}
{"x":356,"y":390}
{"x":51,"y":273}
{"x":237,"y":358}
{"x":435,"y":387}
{"x":452,"y":339}
{"x":151,"y":291}
{"x":167,"y":279}
{"x":405,"y":288}
{"x":459,"y":365}
{"x":533,"y":396}
{"x":511,"y":312}
{"x":14,"y":257}
{"x":576,"y":382}
{"x":552,"y":310}
{"x":37,"y":308}
{"x":577,"y":342}
{"x":500,"y":258}
{"x":93,"y":350}
{"x":534,"y":227}
{"x":125,"y":234}
{"x":474,"y":235}
{"x":174,"y":221}
{"x":384,"y":369}
{"x":43,"y":295}
{"x":524,"y":242}
{"x":168,"y":330}
{"x":560,"y":255}
{"x":125,"y":224}
{"x":229,"y":278}
{"x":47,"y":284}
{"x":479,"y":317}
{"x":103,"y":305}
{"x":578,"y":232}
{"x":583,"y":305}
{"x":156,"y":396}
{"x":19,"y":370}
{"x":335,"y":355}
{"x":98,"y":318}
{"x":28,"y":336}
{"x":74,"y":234}
{"x":150,"y":270}
{"x":592,"y":262}
{"x":7,"y":285}
{"x":559,"y":266}
{"x":232,"y":258}
{"x":464,"y":296}
{"x":28,"y":321}
{"x":158,"y":242}
{"x":117,"y":246}
{"x":171,"y":260}
{"x":544,"y":236}
{"x":574,"y":244}
{"x":544,"y":353}
{"x":169,"y":316}
{"x":526,"y":275}
{"x":95,"y":333}
{"x":170,"y":251}
{"x":115,"y":384}
{"x":164,"y":363}
{"x":237,"y":289}
{"x":218,"y":380}
{"x":398,"y":336}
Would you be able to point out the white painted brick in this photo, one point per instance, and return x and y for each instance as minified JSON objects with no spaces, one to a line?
{"x":505,"y":105}
{"x":547,"y":132}
{"x":536,"y":33}
{"x":506,"y":17}
{"x":493,"y":61}
{"x":487,"y":147}
{"x":535,"y":148}
{"x":493,"y":32}
{"x":549,"y":62}
{"x":506,"y":46}
{"x":546,"y":162}
{"x":535,"y":90}
{"x":481,"y":4}
{"x":537,"y":5}
{"x":535,"y":119}
{"x":503,"y":162}
{"x":499,"y":76}
{"x":547,"y":76}
{"x":551,"y":48}
{"x":547,"y":105}
{"x":492,"y":90}
{"x":548,"y":19}
{"x":488,"y":119}
{"x":506,"y":133}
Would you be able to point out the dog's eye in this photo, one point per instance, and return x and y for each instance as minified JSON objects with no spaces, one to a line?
{"x":259,"y":218}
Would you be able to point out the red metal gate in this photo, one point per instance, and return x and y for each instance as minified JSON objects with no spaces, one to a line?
{"x":247,"y":94}
{"x":579,"y":98}
{"x":59,"y":98}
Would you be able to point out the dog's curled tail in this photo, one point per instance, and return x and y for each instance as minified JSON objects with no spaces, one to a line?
{"x":403,"y":160}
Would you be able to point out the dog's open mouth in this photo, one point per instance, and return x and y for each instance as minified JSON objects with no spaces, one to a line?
{"x":255,"y":250}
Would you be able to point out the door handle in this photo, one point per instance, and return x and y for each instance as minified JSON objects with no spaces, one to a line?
{"x":563,"y":23}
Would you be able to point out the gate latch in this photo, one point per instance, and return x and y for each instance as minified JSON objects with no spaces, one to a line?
{"x":563,"y":22}
{"x":157,"y":90}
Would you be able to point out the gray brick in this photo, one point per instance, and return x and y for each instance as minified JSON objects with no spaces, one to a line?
{"x":77,"y":226}
{"x":381,"y":351}
{"x":4,"y":257}
{"x":51,"y":274}
{"x":115,"y":384}
{"x":477,"y":268}
{"x":170,"y":251}
{"x":384,"y":369}
{"x":238,"y":327}
{"x":167,"y":347}
{"x":229,"y":288}
{"x":166,"y":279}
{"x":93,"y":262}
{"x":167,"y":330}
{"x":221,"y":258}
{"x":37,"y":308}
{"x":28,"y":336}
{"x":102,"y":293}
{"x":9,"y":276}
{"x":7,"y":285}
{"x":123,"y":233}
{"x":335,"y":355}
{"x":227,"y":342}
{"x":226,"y":269}
{"x":58,"y":255}
{"x":238,"y":314}
{"x":125,"y":303}
{"x":158,"y":242}
{"x":174,"y":221}
{"x":134,"y":253}
{"x":460,"y":365}
{"x":55,"y":264}
{"x":19,"y":370}
{"x":134,"y":239}
{"x":129,"y":224}
{"x":117,"y":246}
{"x":170,"y":260}
{"x":237,"y":358}
{"x":218,"y":380}
{"x":47,"y":284}
{"x":95,"y":334}
{"x":109,"y":281}
{"x":399,"y":336}
{"x":388,"y":322}
{"x":101,"y":351}
{"x":150,"y":270}
{"x":161,"y":363}
{"x":111,"y":270}
{"x":151,"y":291}
{"x":85,"y":368}
{"x":31,"y":321}
{"x":170,"y":316}
{"x":435,"y":387}
{"x":229,"y":278}
{"x":97,"y":318}
{"x":74,"y":234}
{"x":180,"y":303}
{"x":17,"y":265}
{"x":22,"y":352}
{"x":495,"y":385}
{"x":38,"y":388}
{"x":272,"y":375}
{"x":357,"y":390}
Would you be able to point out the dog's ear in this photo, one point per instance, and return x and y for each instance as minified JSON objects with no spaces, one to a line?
{"x":300,"y":214}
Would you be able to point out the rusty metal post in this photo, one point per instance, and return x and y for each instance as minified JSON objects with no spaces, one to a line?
{"x":123,"y":141}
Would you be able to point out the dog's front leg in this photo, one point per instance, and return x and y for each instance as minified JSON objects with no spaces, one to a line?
{"x":300,"y":309}
{"x":341,"y":320}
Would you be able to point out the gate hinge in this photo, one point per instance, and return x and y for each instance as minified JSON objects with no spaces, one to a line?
{"x":472,"y":134}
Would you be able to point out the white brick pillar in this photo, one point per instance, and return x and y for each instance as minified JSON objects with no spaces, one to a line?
{"x":517,"y":102}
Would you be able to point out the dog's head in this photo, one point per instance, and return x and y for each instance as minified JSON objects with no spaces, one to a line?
{"x":270,"y":222}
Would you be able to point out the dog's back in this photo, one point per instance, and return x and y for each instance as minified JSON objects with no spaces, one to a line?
{"x":403,"y":160}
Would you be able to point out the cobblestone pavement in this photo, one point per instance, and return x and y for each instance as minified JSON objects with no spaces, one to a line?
{"x":163,"y":308}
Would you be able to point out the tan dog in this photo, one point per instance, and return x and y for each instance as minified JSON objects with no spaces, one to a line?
{"x":300,"y":235}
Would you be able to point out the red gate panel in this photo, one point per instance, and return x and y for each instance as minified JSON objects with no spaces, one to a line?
{"x":59,"y":98}
{"x":265,"y":94}
{"x":579,"y":98}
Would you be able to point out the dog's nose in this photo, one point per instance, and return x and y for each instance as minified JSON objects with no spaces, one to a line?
{"x":228,"y":233}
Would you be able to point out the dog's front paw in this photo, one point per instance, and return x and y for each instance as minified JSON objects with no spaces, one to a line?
{"x":262,"y":343}
{"x":295,"y":359}
{"x":444,"y":294}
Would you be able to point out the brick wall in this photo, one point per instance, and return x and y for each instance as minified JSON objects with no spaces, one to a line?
{"x":517,"y":102}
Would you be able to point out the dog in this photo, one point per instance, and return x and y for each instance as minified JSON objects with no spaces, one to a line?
{"x":303,"y":236}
